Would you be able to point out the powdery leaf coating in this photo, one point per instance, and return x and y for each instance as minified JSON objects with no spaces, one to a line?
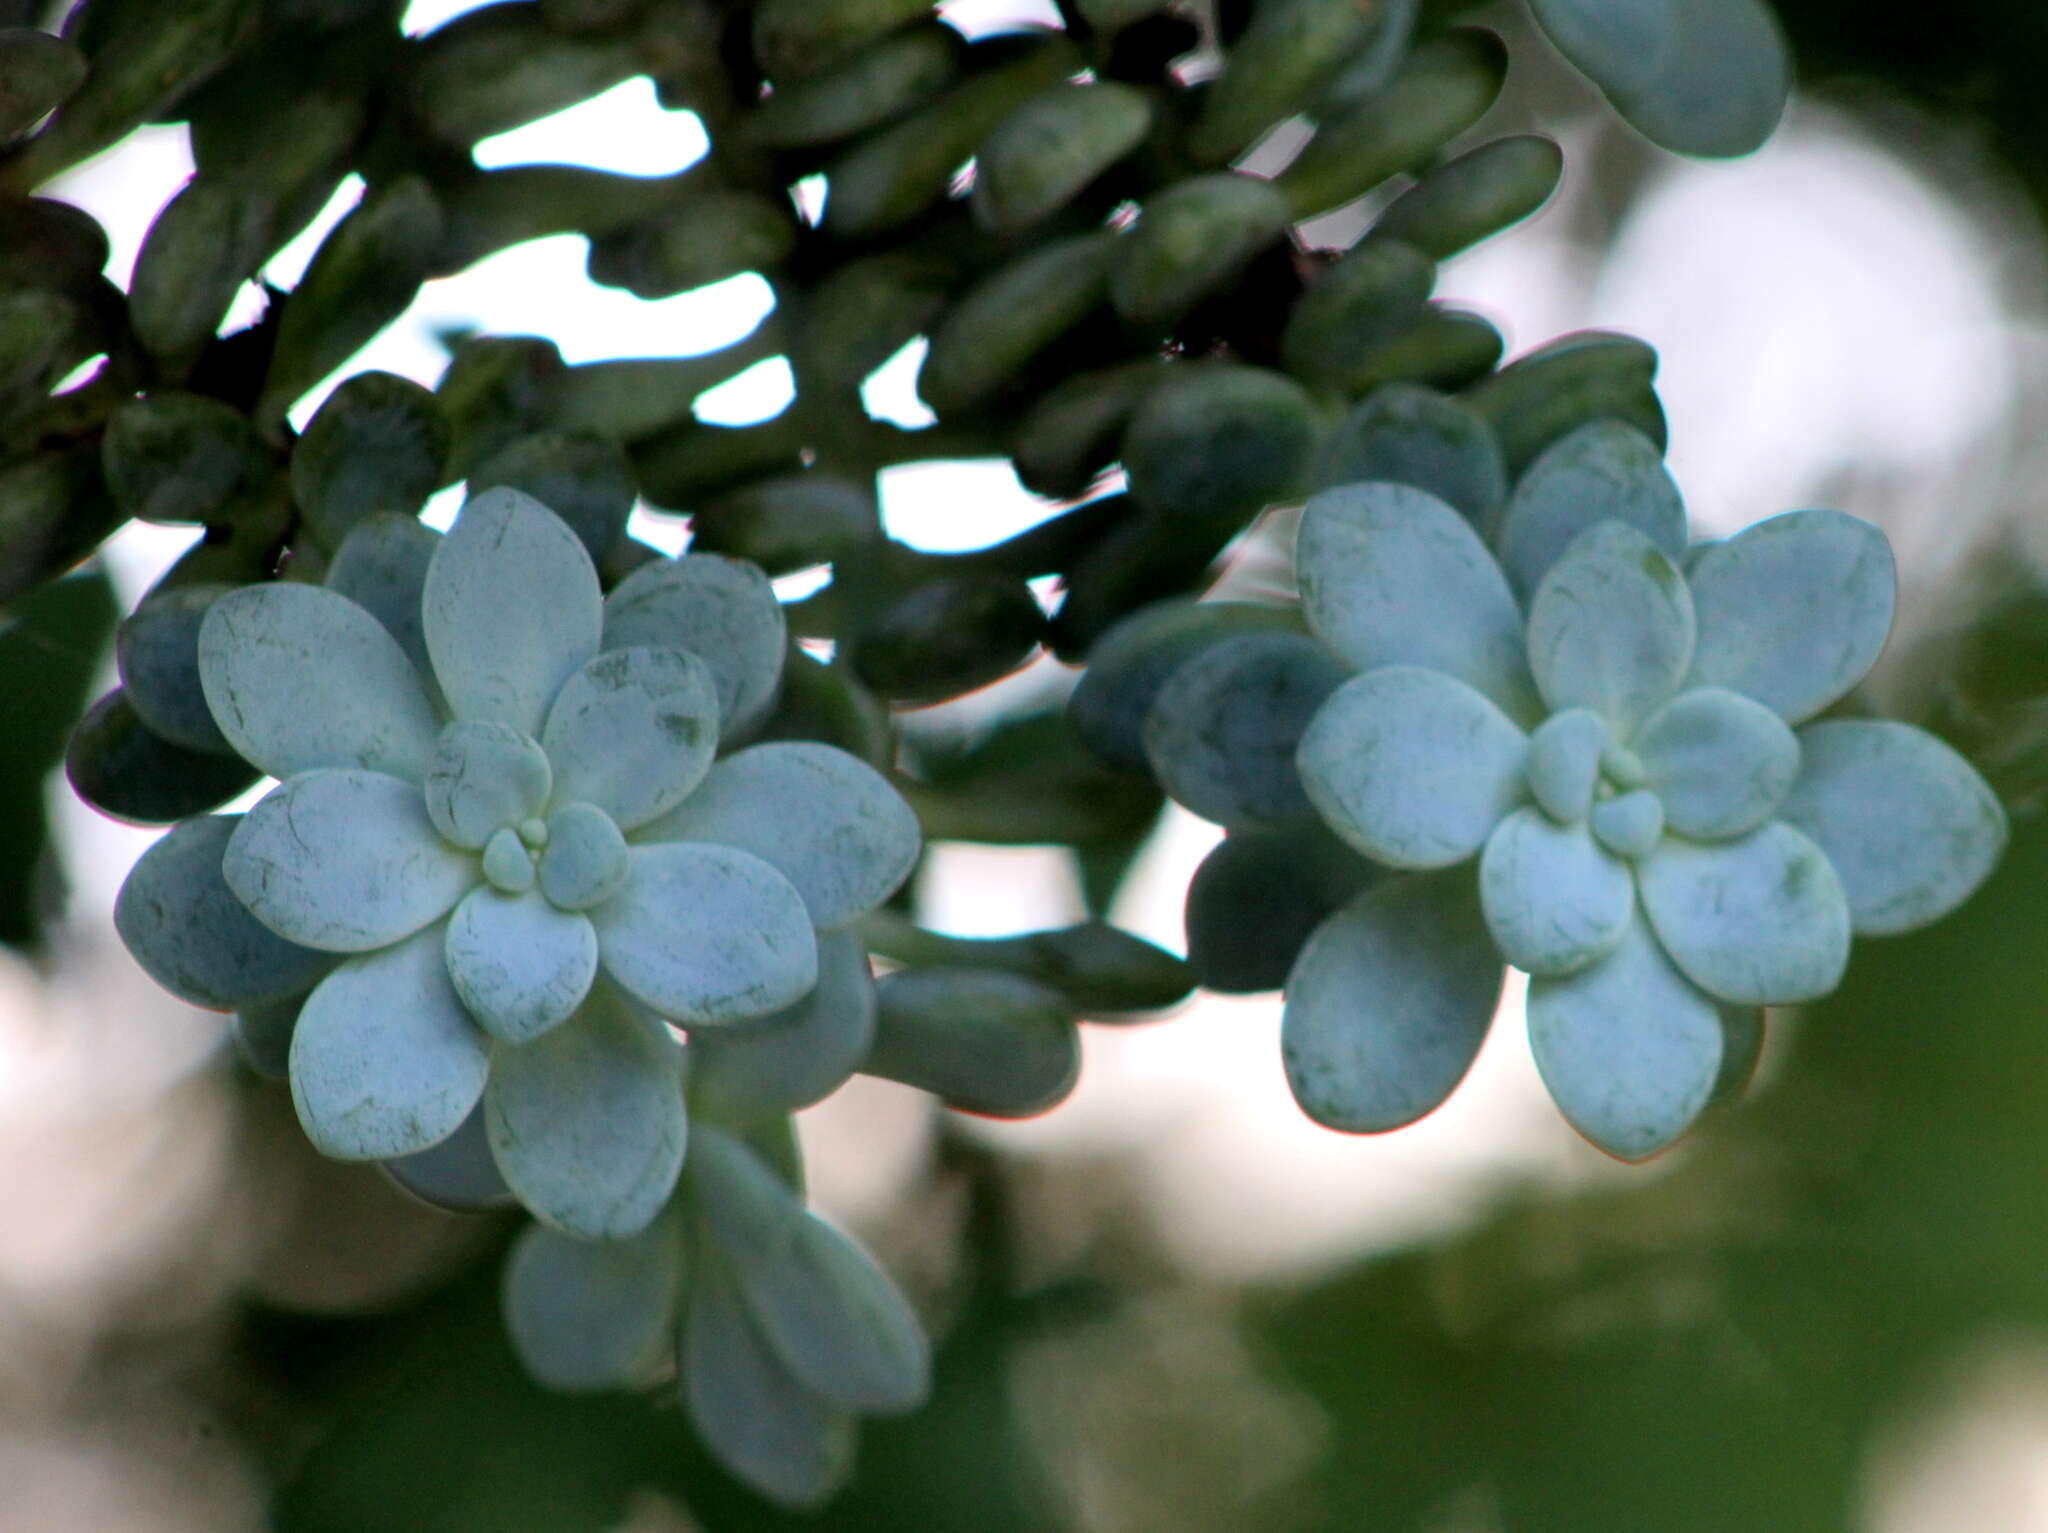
{"x":1630,"y":824}
{"x":385,"y":1061}
{"x":1720,"y":762}
{"x":257,"y":648}
{"x":1611,"y":626}
{"x":381,"y":566}
{"x":1390,"y":575}
{"x":1906,"y":822}
{"x":723,"y":611}
{"x":825,"y":820}
{"x":458,"y":1174}
{"x":484,"y":777}
{"x":511,"y":609}
{"x":1554,"y":899}
{"x":520,"y":965}
{"x":346,"y":861}
{"x":633,"y":732}
{"x":586,"y":860}
{"x":194,"y":937}
{"x":1793,"y":611}
{"x":1386,"y":733}
{"x":1629,"y":1050}
{"x":707,"y":935}
{"x":1388,"y":1004}
{"x":800,"y":1055}
{"x":593,"y":1314}
{"x":587,"y":1122}
{"x":1564,"y":762}
{"x":1605,"y":471}
{"x":1760,"y":921}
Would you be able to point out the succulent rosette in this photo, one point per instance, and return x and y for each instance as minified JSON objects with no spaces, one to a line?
{"x":504,"y":862}
{"x":1667,"y":834}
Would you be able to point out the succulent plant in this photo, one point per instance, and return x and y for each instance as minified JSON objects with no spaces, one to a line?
{"x":508,"y":863}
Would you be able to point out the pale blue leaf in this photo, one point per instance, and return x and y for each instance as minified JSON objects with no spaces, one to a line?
{"x":801,"y":1054}
{"x":723,"y":611}
{"x":1388,"y":1004}
{"x":300,"y":678}
{"x":1564,"y":762}
{"x":1793,"y":611}
{"x":1611,"y":626}
{"x":346,"y":861}
{"x":520,"y":965}
{"x":484,"y":777}
{"x":1602,"y":472}
{"x":1759,"y":921}
{"x":1619,"y":44}
{"x":1628,"y":1048}
{"x":585,"y":860}
{"x":586,"y":1121}
{"x":458,"y":1174}
{"x":1412,"y":767}
{"x":511,"y":609}
{"x":1629,"y":824}
{"x":385,"y":1060}
{"x":633,"y":732}
{"x":381,"y":566}
{"x":826,"y":820}
{"x":1408,"y":434}
{"x":1720,"y":85}
{"x":1390,"y":575}
{"x":1554,"y":899}
{"x":1720,"y":762}
{"x":1907,"y":823}
{"x":593,"y":1314}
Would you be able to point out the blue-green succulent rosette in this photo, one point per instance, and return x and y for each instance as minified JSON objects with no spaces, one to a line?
{"x":1628,"y":739}
{"x":505,"y":863}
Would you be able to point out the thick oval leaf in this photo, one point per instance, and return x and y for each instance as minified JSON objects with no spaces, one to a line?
{"x":1620,"y":44}
{"x":459,"y":1174}
{"x":1760,"y":921}
{"x":633,"y":732}
{"x":484,"y":778}
{"x":1720,"y":762}
{"x":520,"y":965}
{"x":981,"y":1040}
{"x":1907,"y":823}
{"x":385,"y":1060}
{"x":1412,"y":767}
{"x":1628,"y":1048}
{"x":300,"y":677}
{"x":1412,"y":435}
{"x":1606,"y":471}
{"x":586,"y":1122}
{"x":1721,"y":84}
{"x":157,"y":650}
{"x":1564,"y":762}
{"x":346,"y":861}
{"x":1611,"y":626}
{"x":262,"y":1034}
{"x":1554,"y":899}
{"x":1259,"y":895}
{"x":1222,"y":733}
{"x":1794,"y":610}
{"x":191,"y":934}
{"x":381,"y":566}
{"x":126,"y":770}
{"x":1388,"y":1004}
{"x":511,"y":609}
{"x":800,"y":1055}
{"x":724,"y":612}
{"x":826,"y":821}
{"x":593,"y":1314}
{"x":707,"y":935}
{"x":1390,"y":575}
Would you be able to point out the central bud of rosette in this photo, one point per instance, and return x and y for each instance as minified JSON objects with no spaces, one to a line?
{"x":488,"y":789}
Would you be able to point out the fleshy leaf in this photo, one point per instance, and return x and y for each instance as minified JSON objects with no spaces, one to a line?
{"x":593,"y":1314}
{"x":1720,"y":85}
{"x":1390,"y":575}
{"x":1907,"y":823}
{"x":194,"y":937}
{"x":511,"y":609}
{"x":1222,"y":733}
{"x":1793,"y":611}
{"x":1601,"y":472}
{"x":299,"y":677}
{"x":520,"y":965}
{"x":633,"y":732}
{"x":1611,"y":626}
{"x":1620,"y":44}
{"x":1720,"y":762}
{"x":1759,"y":921}
{"x":707,"y":935}
{"x":1629,"y":824}
{"x":1628,"y":1048}
{"x":1564,"y":762}
{"x":981,"y":1040}
{"x":381,"y":566}
{"x":827,"y":821}
{"x":833,"y":1317}
{"x":1555,"y":900}
{"x":723,"y":611}
{"x":346,"y":861}
{"x":484,"y":777}
{"x":586,"y":1121}
{"x":585,"y":861}
{"x":1257,"y":898}
{"x":763,"y":1425}
{"x":458,"y":1174}
{"x":1388,"y":1004}
{"x":1412,"y":767}
{"x":385,"y":1061}
{"x":801,"y":1054}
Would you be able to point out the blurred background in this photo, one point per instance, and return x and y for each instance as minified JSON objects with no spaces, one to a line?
{"x":1174,"y":1303}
